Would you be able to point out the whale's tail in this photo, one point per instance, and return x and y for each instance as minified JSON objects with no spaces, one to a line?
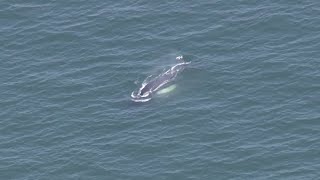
{"x":180,"y":59}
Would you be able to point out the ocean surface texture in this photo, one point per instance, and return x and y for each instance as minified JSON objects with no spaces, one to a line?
{"x":247,"y":107}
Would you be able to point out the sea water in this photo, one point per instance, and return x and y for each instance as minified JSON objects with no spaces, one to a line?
{"x":248,"y":107}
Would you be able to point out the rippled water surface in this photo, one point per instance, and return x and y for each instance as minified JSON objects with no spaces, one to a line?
{"x":247,"y":107}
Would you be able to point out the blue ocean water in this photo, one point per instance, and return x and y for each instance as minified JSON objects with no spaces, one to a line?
{"x":247,"y":107}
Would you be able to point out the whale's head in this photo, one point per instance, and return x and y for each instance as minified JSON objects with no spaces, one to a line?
{"x":141,"y":96}
{"x":144,"y":94}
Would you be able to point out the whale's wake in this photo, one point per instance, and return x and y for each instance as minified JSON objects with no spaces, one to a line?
{"x":151,"y":84}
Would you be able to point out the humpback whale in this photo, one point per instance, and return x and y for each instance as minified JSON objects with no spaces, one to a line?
{"x":148,"y":88}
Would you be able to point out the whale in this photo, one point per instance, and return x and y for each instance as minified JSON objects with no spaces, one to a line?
{"x":147,"y":89}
